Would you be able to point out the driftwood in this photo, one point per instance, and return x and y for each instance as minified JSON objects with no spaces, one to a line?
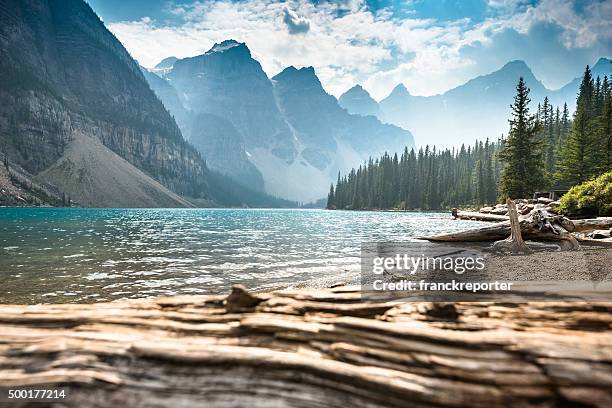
{"x":592,"y":224}
{"x":309,"y":348}
{"x":478,"y":216}
{"x":538,"y":224}
{"x":514,"y":243}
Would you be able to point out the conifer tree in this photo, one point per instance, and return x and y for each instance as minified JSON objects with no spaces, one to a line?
{"x":522,"y":157}
{"x":331,"y":197}
{"x":489,"y":175}
{"x":606,"y":125}
{"x":577,"y":162}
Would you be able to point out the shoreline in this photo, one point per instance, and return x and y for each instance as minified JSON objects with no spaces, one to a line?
{"x":588,"y":265}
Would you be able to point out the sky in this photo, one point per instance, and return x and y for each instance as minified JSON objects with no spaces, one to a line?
{"x":428,"y":45}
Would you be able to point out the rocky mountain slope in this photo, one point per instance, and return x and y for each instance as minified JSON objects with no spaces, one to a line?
{"x":65,"y":74}
{"x":98,"y":177}
{"x":330,"y":135}
{"x":285,"y":135}
{"x":77,"y":114}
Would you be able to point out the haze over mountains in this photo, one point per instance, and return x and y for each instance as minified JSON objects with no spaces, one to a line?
{"x":478,"y":109}
{"x":79,"y":117}
{"x":284,"y":135}
{"x":287,"y":136}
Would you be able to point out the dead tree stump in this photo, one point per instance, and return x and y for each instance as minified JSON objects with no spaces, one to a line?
{"x":514,"y":243}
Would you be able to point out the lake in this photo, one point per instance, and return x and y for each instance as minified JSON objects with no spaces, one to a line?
{"x":54,"y":255}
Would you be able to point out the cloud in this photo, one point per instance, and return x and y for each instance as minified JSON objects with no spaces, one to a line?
{"x":579,"y":28}
{"x":295,"y":24}
{"x":349,"y":42}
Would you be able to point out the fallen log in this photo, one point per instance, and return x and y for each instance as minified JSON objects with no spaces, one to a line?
{"x":306,"y":348}
{"x":592,"y":224}
{"x":477,"y":216}
{"x":538,"y":224}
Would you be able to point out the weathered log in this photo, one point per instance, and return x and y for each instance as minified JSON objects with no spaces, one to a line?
{"x":487,"y":233}
{"x":308,"y":349}
{"x":538,"y":225}
{"x":514,"y":243}
{"x":592,"y":224}
{"x":478,"y":216}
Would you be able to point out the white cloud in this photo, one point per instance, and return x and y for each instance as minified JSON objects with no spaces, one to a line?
{"x":295,"y":24}
{"x":347,"y":43}
{"x":579,"y":29}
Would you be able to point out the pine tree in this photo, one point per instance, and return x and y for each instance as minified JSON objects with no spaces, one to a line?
{"x":522,"y":155}
{"x":577,"y":162}
{"x":430,"y":180}
{"x":606,"y":125}
{"x":489,"y":175}
{"x":331,"y":198}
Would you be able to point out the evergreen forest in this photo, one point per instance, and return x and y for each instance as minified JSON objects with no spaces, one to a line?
{"x":544,"y":149}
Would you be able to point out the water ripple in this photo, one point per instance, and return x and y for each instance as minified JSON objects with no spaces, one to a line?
{"x":86,"y":255}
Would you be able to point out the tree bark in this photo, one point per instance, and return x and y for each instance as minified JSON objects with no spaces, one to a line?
{"x":307,"y":348}
{"x":514,"y":243}
{"x":477,"y":216}
{"x":592,"y":224}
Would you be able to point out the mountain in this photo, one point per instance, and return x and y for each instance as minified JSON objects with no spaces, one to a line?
{"x":164,"y":66}
{"x":166,"y":93}
{"x":478,"y":109}
{"x":475,"y":110}
{"x":79,"y":119}
{"x":358,"y":101}
{"x":336,"y":136}
{"x":283,"y":135}
{"x":227,"y":82}
{"x":216,"y":138}
{"x":568,"y":93}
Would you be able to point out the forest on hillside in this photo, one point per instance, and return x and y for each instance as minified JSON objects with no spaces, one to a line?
{"x":543,"y":150}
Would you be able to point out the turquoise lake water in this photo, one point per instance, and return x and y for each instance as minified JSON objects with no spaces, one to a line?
{"x":57,"y":255}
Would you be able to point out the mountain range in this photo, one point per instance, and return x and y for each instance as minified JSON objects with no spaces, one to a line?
{"x":78,"y":119}
{"x":478,"y":109}
{"x":283,"y":135}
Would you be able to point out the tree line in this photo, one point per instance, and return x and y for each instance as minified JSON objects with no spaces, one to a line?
{"x":426,"y":179}
{"x":547,"y":149}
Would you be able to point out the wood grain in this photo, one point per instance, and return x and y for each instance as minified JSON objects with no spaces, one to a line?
{"x":311,"y":348}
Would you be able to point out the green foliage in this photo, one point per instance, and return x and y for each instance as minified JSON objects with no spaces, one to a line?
{"x":587,"y":151}
{"x":429,"y":179}
{"x":593,"y":198}
{"x":542,"y":150}
{"x":522,"y":154}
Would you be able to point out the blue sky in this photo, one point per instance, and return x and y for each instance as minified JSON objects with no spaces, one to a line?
{"x":428,"y":45}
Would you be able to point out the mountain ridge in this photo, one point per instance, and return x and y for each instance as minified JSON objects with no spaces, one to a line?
{"x":76,"y":107}
{"x":476,"y":109}
{"x":288,"y":127}
{"x":358,"y":101}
